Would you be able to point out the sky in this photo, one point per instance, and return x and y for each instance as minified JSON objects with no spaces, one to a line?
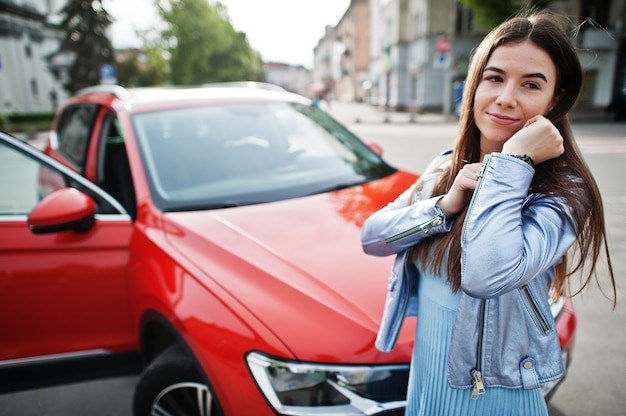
{"x":283,"y":31}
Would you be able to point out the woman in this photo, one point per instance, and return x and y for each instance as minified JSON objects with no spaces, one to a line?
{"x":481,"y":239}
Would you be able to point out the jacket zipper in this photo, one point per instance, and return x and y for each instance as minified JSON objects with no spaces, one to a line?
{"x":426,"y":226}
{"x":480,"y":174}
{"x":477,"y":373}
{"x":407,"y":279}
{"x":542,"y":322}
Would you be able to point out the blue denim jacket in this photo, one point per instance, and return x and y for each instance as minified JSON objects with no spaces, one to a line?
{"x":504,"y":334}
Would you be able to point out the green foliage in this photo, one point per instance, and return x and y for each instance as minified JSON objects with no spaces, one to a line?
{"x":26,"y":121}
{"x":137,"y":68}
{"x":127,"y":67}
{"x":203,"y":45}
{"x":86,"y":24}
{"x":491,"y":13}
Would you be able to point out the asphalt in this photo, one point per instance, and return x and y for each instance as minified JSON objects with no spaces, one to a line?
{"x":357,"y":113}
{"x":351,"y":113}
{"x":346,"y":112}
{"x":594,"y":383}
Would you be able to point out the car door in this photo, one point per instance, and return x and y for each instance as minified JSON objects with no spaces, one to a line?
{"x":63,"y":285}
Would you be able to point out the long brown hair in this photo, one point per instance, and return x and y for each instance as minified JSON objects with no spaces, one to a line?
{"x":554,"y":177}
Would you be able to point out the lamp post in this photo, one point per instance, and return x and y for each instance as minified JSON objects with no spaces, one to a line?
{"x":387,"y":72}
{"x":446,"y":47}
{"x":414,"y":70}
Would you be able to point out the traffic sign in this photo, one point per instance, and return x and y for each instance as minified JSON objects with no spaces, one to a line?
{"x":443,"y":45}
{"x":441,"y":61}
{"x":107,"y":74}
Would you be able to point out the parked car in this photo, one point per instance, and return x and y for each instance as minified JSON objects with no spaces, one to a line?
{"x":209,"y":239}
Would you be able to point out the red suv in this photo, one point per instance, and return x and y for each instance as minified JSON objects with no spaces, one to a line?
{"x":209,"y":239}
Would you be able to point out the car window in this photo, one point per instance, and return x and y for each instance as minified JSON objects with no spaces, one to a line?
{"x":114,"y":175}
{"x":32,"y":179}
{"x":247,"y":153}
{"x":73,"y":132}
{"x":29,"y":183}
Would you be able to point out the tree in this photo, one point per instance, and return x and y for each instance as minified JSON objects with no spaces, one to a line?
{"x":86,"y":23}
{"x":141,"y":68}
{"x":203,"y":45}
{"x":491,"y":13}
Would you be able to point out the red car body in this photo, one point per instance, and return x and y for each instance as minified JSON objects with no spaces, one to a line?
{"x":287,"y":278}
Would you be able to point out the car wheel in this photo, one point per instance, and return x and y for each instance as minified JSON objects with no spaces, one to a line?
{"x":172,"y":385}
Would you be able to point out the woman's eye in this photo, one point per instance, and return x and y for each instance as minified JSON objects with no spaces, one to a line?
{"x":493,"y":78}
{"x":532,"y":85}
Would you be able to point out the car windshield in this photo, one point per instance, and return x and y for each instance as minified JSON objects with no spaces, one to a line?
{"x":247,"y":153}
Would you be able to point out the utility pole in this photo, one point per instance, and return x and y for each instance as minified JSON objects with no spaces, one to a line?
{"x":449,"y":70}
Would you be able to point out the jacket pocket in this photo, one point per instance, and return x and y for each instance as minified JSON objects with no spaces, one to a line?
{"x":534,"y":310}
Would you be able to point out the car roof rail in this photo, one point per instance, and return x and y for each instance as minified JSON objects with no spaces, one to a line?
{"x":246,"y":84}
{"x":116,"y":90}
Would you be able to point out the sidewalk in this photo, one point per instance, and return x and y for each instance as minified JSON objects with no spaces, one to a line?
{"x":360,"y":113}
{"x":353,"y":112}
{"x":350,"y":113}
{"x":37,"y":139}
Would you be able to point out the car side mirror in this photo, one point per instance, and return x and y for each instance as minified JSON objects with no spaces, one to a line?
{"x":376,"y":148}
{"x":63,"y":210}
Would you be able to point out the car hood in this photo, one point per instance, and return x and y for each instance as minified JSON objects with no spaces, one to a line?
{"x":298,"y":266}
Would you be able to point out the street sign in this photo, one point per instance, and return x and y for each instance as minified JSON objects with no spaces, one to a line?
{"x":107,"y":74}
{"x":441,"y":60}
{"x":443,"y":45}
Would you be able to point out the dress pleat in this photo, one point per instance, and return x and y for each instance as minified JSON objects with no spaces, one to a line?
{"x":429,"y":393}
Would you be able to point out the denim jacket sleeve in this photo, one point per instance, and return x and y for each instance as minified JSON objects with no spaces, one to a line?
{"x":509,"y":237}
{"x":406,"y":221}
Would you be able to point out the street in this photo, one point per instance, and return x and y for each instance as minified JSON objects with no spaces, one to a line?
{"x":594,"y":382}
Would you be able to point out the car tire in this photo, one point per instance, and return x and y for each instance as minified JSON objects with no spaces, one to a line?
{"x":172,"y":384}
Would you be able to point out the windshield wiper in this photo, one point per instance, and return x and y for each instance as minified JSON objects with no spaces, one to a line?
{"x":337,"y":187}
{"x":203,"y":207}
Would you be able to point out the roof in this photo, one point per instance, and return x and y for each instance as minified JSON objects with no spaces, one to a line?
{"x":138,"y":99}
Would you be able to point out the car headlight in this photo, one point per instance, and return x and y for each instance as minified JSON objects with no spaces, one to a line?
{"x":296,"y":388}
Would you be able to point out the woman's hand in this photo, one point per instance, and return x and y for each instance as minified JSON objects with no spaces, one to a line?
{"x":539,"y":139}
{"x":459,"y":194}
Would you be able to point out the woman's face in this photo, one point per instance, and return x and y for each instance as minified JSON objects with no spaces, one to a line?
{"x":518,"y":83}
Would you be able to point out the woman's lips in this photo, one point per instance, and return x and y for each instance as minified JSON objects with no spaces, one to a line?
{"x":501,"y":118}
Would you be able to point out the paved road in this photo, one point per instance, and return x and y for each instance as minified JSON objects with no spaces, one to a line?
{"x":595,"y":381}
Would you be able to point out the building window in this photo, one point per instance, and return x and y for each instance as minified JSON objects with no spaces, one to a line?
{"x":28,"y":51}
{"x":590,"y":80}
{"x":419,"y":27}
{"x":598,"y":10}
{"x":34,"y":88}
{"x":464,"y":21}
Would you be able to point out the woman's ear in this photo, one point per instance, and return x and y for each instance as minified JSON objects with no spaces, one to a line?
{"x":554,"y":102}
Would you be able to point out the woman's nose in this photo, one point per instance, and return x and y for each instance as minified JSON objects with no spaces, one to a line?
{"x":506,"y":96}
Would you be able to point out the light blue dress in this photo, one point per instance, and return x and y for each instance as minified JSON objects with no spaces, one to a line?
{"x":428,"y":392}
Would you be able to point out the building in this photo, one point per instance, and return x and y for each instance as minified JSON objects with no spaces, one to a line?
{"x":352,"y":33}
{"x":341,"y":58}
{"x":294,"y":78}
{"x":326,"y":63}
{"x":419,"y":50}
{"x":29,"y":81}
{"x":411,"y":52}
